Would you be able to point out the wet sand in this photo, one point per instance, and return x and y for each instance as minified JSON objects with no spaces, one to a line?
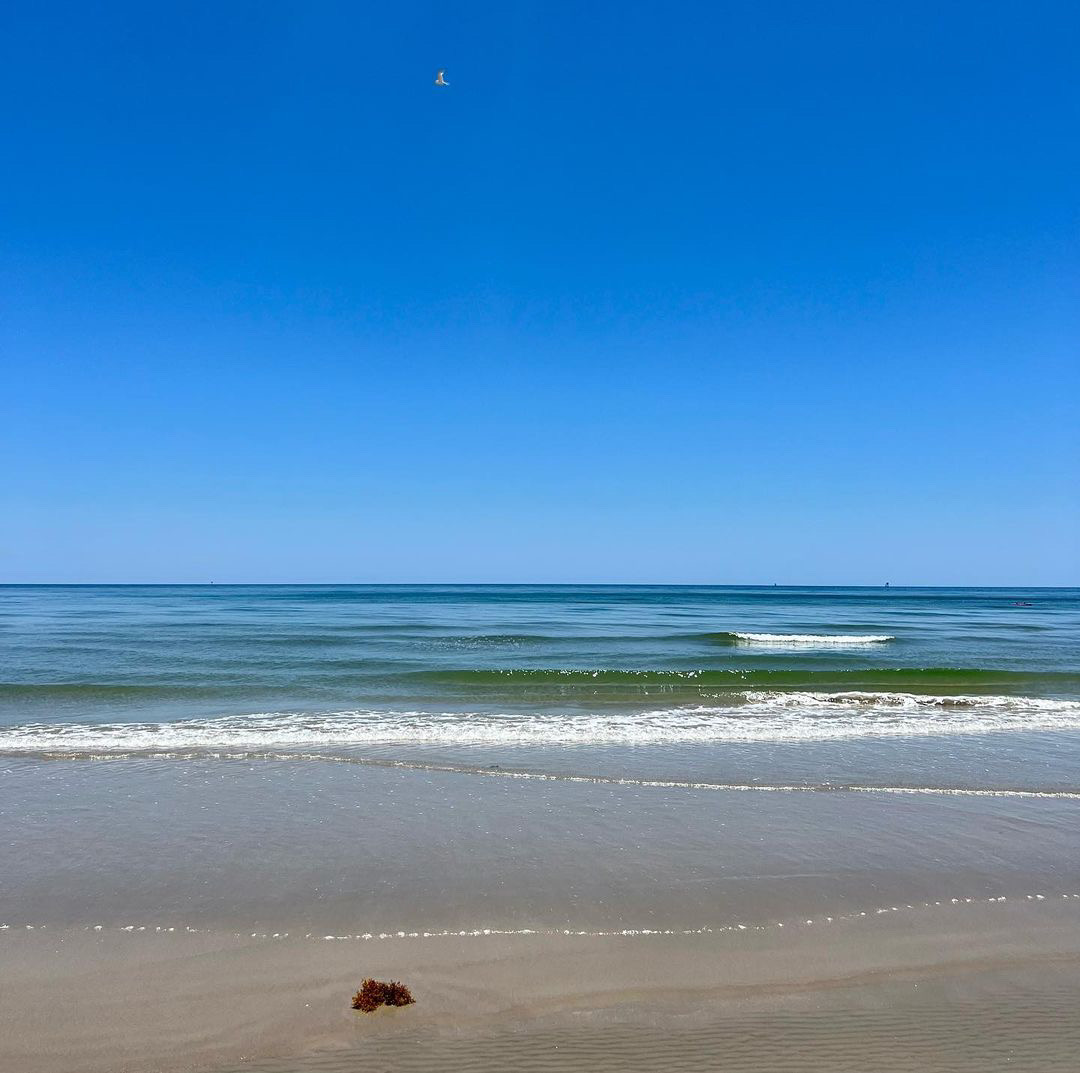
{"x":981,"y":985}
{"x":168,"y":916}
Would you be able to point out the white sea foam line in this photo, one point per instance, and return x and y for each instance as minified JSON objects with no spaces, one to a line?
{"x":813,"y":640}
{"x":744,"y":716}
{"x":583,"y":933}
{"x":676,"y":784}
{"x":593,"y":780}
{"x":658,"y":784}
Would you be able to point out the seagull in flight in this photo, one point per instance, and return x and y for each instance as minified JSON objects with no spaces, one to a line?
{"x":439,"y":80}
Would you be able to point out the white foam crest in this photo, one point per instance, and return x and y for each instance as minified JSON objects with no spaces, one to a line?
{"x":912,"y":702}
{"x":812,"y":640}
{"x":751,"y":716}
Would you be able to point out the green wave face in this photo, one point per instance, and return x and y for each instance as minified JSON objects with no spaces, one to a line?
{"x":889,"y":677}
{"x":914,"y":678}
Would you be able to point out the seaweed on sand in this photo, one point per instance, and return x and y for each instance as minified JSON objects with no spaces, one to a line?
{"x":375,"y":993}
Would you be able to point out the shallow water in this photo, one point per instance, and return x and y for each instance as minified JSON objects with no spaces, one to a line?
{"x":270,"y":846}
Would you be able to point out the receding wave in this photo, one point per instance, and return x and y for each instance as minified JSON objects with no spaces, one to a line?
{"x":497,"y":771}
{"x":747,"y":716}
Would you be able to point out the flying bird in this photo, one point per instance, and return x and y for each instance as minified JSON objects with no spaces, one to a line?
{"x":439,"y":80}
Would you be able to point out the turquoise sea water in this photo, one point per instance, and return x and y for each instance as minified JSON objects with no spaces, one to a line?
{"x":92,"y":655}
{"x":675,"y":675}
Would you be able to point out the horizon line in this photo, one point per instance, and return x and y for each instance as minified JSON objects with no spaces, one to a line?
{"x":518,"y":584}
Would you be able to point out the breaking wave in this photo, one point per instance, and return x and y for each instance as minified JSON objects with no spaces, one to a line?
{"x":812,"y":640}
{"x":743,"y":717}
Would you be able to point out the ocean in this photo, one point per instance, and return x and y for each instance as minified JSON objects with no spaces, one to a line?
{"x":131,"y":668}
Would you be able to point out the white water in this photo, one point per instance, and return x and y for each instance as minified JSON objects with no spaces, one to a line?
{"x":751,"y":716}
{"x":812,"y":640}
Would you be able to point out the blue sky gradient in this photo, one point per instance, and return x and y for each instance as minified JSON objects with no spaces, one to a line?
{"x":682,"y":292}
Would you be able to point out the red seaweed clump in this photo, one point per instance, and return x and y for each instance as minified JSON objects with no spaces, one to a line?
{"x":375,"y":993}
{"x":395,"y":994}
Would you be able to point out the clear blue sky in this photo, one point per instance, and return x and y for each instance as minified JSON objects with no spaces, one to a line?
{"x":703,"y":292}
